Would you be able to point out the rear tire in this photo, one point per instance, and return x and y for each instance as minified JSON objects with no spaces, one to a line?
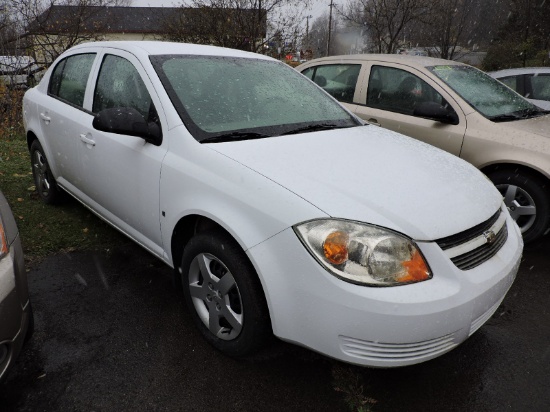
{"x":527,"y":198}
{"x":224,"y":295}
{"x":44,"y":181}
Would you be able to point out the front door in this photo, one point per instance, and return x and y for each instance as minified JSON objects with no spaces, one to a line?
{"x":121,"y":173}
{"x":389,"y":101}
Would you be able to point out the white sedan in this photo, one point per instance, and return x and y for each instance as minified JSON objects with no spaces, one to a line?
{"x":280,"y":211}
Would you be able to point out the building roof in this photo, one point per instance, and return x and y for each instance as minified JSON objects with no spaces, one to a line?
{"x":107,"y":19}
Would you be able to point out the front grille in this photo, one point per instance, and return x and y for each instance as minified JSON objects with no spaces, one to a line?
{"x":467,"y":235}
{"x":483,"y":253}
{"x":479,"y":246}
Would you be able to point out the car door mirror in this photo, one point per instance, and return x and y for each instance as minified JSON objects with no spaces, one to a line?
{"x":434,"y":111}
{"x":127,"y":120}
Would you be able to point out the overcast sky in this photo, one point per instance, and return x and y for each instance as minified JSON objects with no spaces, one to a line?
{"x":318,"y":6}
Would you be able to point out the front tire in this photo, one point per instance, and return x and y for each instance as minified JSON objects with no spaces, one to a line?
{"x":44,"y":181}
{"x":224,"y":295}
{"x":527,"y":199}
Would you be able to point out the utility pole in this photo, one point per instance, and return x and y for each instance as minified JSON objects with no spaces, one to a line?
{"x":307,"y":32}
{"x":329,"y":27}
{"x":259,"y":26}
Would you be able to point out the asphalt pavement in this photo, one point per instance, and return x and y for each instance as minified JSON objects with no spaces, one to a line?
{"x":111,"y":334}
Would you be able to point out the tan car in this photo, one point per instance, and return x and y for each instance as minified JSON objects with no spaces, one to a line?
{"x":459,"y":109}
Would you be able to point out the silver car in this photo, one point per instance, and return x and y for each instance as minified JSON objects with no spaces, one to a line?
{"x":533,"y":83}
{"x":15,"y":309}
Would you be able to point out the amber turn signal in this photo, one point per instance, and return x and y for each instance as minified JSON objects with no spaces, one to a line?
{"x":415,"y":269}
{"x":335,"y":247}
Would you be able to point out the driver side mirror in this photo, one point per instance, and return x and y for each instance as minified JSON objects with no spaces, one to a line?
{"x":128,"y":121}
{"x":436,"y":112}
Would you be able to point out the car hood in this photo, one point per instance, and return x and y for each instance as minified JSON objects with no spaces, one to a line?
{"x":373,"y":175}
{"x":538,"y":125}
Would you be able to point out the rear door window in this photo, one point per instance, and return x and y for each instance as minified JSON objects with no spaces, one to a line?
{"x":339,"y":80}
{"x":511,"y":82}
{"x":540,"y":87}
{"x":69,"y":78}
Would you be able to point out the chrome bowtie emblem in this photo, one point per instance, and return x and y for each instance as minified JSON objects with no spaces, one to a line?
{"x":490,"y":236}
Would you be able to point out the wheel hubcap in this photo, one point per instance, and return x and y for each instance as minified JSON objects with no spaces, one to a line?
{"x":520,"y":204}
{"x":215,"y":296}
{"x":40,"y":169}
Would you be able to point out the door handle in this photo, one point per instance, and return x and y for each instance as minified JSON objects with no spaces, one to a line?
{"x":373,"y":121}
{"x":87,"y":140}
{"x":45,"y":117}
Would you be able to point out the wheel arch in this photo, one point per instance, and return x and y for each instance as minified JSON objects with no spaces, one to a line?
{"x":517,"y":168}
{"x":31,"y":137}
{"x":186,"y":228}
{"x":190,"y":225}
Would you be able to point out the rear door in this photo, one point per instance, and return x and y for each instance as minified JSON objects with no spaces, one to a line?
{"x":62,"y":113}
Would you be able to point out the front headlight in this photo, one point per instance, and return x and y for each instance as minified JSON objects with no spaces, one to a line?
{"x":364,"y":254}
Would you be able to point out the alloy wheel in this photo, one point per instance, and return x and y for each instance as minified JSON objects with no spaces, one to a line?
{"x":520,"y":204}
{"x":216,"y":297}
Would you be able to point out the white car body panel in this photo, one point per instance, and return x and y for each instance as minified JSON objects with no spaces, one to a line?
{"x":361,"y":193}
{"x":248,"y":205}
{"x":434,"y":316}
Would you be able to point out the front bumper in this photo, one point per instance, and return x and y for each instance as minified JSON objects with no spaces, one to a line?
{"x":14,"y":314}
{"x":381,"y":327}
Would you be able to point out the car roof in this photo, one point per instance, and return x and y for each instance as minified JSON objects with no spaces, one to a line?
{"x":519,"y":71}
{"x":414,"y":61}
{"x":170,"y":48}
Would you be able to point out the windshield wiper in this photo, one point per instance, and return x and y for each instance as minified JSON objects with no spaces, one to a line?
{"x":509,"y":117}
{"x":530,"y":113}
{"x":234,"y":136}
{"x":315,"y":128}
{"x":519,"y":115}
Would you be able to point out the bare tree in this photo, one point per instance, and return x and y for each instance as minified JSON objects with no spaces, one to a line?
{"x":50,"y":28}
{"x":345,"y":36}
{"x":242,"y":24}
{"x":447,"y":28}
{"x":385,"y":20}
{"x":318,"y":34}
{"x":524,"y":40}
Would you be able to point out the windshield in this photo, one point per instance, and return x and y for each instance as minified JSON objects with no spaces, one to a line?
{"x":228,"y":98}
{"x":488,"y":96}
